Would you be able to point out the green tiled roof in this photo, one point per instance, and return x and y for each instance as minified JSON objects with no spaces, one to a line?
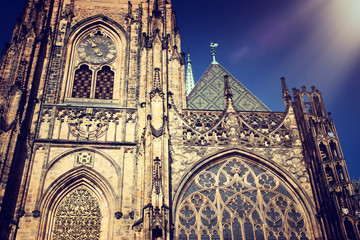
{"x":208,"y":93}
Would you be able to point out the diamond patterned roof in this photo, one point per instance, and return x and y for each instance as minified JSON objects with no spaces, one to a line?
{"x":208,"y":93}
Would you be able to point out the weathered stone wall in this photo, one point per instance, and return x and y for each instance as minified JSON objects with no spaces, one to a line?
{"x":271,"y":140}
{"x":189,"y":145}
{"x":74,"y":166}
{"x":98,"y":146}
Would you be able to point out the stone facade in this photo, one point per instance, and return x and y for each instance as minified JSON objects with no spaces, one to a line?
{"x":97,"y":141}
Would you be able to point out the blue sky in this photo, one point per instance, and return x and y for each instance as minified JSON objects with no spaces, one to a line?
{"x":308,"y":42}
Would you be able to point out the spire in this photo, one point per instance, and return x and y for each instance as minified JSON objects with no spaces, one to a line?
{"x":285,"y":92}
{"x":156,"y":12}
{"x":213,"y":52}
{"x":227,"y":89}
{"x":190,"y":83}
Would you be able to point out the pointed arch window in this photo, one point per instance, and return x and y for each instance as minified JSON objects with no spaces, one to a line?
{"x":78,"y":217}
{"x":324,"y":152}
{"x":307,"y":103}
{"x":334,"y":149}
{"x":349,"y":229}
{"x":85,"y":85}
{"x":329,"y":174}
{"x":82,"y":82}
{"x":235,"y":199}
{"x":104,"y":83}
{"x":318,"y":108}
{"x":340,"y":172}
{"x":93,"y":70}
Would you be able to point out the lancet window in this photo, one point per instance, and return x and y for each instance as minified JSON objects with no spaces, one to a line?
{"x":324,"y":152}
{"x":329,"y":174}
{"x":340,"y":172}
{"x":84,"y":86}
{"x":239,"y":200}
{"x":104,"y":83}
{"x":334,"y":149}
{"x":307,"y":103}
{"x":349,"y":229}
{"x":318,"y":107}
{"x":82,"y":82}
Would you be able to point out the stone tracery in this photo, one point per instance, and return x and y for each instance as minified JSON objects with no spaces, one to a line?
{"x":249,"y":129}
{"x":78,"y":217}
{"x":238,"y":200}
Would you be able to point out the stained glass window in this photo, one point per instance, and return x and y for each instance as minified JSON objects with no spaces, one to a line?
{"x":103,"y":87}
{"x":82,"y":82}
{"x":78,"y":217}
{"x":104,"y":83}
{"x":238,"y":200}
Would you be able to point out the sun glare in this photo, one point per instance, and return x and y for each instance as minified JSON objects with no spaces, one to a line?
{"x":334,"y":42}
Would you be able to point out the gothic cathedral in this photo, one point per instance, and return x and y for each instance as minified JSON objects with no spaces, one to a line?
{"x":100,"y":138}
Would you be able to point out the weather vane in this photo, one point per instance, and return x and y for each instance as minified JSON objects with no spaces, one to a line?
{"x":213,"y":52}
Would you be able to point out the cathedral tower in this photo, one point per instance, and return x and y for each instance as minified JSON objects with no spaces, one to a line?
{"x":333,"y":190}
{"x":98,"y":139}
{"x":84,"y":88}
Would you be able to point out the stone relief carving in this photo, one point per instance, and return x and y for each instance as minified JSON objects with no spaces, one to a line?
{"x":84,"y":159}
{"x":85,"y":123}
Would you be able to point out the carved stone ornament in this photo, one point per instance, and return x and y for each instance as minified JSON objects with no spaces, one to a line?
{"x":20,"y":212}
{"x":138,"y":226}
{"x":89,"y":123}
{"x":118,"y":215}
{"x":156,"y":91}
{"x":78,"y":217}
{"x":157,"y":132}
{"x":131,"y":214}
{"x":84,"y":159}
{"x":85,"y":128}
{"x":203,"y":128}
{"x":36,"y":213}
{"x":157,"y":178}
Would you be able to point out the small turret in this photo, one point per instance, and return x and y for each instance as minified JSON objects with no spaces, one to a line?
{"x":330,"y":178}
{"x":190,"y":83}
{"x":285,"y":92}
